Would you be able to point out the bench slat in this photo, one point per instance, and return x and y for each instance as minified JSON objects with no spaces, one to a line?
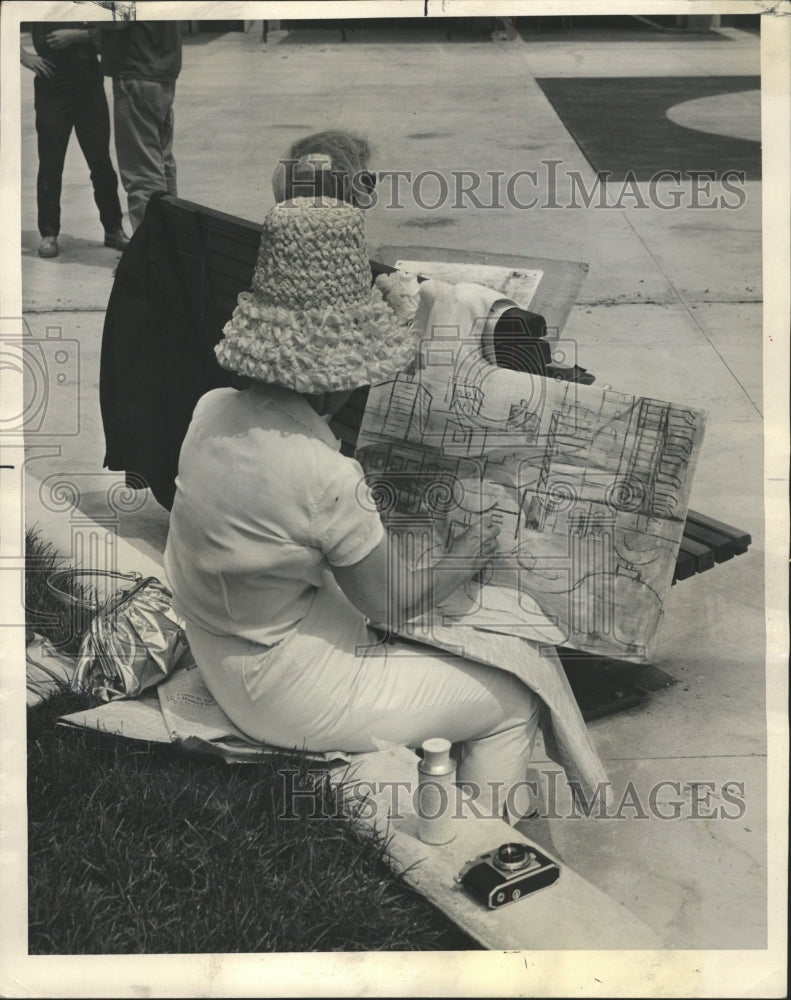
{"x":741,"y":539}
{"x":722,"y":547}
{"x":685,"y":566}
{"x":702,"y":556}
{"x":221,"y":246}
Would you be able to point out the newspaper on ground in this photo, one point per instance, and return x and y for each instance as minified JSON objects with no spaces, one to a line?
{"x":182,"y":711}
{"x":48,"y":670}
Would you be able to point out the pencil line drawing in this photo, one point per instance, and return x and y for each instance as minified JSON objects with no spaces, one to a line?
{"x":592,"y":485}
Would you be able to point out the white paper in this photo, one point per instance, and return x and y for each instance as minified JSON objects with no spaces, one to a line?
{"x":515,"y":283}
{"x":48,"y":670}
{"x":135,"y":719}
{"x":592,"y":485}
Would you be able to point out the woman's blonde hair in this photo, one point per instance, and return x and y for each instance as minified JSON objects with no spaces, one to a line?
{"x":331,"y":163}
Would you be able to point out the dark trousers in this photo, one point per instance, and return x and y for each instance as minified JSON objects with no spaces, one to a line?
{"x":63,"y":104}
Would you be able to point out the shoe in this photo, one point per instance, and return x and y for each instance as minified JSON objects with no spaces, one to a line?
{"x":564,"y":373}
{"x":116,"y":238}
{"x":48,"y":247}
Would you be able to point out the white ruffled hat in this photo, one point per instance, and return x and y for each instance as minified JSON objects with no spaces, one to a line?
{"x":312,"y":322}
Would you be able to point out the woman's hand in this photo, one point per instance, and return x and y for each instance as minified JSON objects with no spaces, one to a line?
{"x":478,"y":541}
{"x":400,"y":292}
{"x":389,"y":591}
{"x":62,"y":38}
{"x":40,"y":66}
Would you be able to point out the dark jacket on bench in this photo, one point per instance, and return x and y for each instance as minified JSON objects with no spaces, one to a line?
{"x":149,"y":383}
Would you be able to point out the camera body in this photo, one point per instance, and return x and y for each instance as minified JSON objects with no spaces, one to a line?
{"x":508,"y":873}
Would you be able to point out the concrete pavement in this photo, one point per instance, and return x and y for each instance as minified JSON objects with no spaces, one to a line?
{"x":671,"y":308}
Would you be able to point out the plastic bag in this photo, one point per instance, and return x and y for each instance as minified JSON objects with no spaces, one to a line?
{"x":134,"y":642}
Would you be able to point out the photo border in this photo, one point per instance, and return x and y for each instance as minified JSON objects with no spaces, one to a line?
{"x":663,"y":973}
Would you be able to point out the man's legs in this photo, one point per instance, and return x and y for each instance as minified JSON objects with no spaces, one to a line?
{"x":92,"y":125}
{"x":168,"y":129}
{"x":53,"y":128}
{"x":143,"y":118}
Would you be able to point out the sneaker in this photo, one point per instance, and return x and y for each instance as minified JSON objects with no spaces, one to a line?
{"x":48,"y":247}
{"x":116,"y":238}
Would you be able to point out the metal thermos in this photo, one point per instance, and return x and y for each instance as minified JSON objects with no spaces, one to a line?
{"x":435,"y":793}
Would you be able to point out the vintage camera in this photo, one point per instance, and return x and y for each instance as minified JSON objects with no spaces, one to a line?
{"x":508,"y":873}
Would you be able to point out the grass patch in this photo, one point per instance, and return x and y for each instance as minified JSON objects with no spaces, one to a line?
{"x":45,"y":613}
{"x":134,"y":848}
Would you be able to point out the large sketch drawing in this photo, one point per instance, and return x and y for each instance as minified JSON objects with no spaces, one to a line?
{"x":592,"y":484}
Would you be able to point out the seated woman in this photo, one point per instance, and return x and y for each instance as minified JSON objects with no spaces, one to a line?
{"x":276,"y":554}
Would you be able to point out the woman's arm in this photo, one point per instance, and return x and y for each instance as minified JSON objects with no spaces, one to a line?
{"x":388,"y":592}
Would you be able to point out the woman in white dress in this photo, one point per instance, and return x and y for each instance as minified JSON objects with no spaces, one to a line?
{"x":276,"y":555}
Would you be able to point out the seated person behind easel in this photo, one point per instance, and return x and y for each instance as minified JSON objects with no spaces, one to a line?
{"x":278,"y":558}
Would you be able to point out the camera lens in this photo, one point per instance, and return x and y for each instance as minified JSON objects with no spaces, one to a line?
{"x":512,"y":857}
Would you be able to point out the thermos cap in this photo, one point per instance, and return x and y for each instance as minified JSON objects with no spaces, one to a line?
{"x":436,"y":756}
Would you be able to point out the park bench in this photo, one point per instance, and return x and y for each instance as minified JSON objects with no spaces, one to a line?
{"x":211,"y":256}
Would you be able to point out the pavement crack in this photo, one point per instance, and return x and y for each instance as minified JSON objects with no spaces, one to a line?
{"x":27,"y":311}
{"x":691,"y":313}
{"x":663,"y":302}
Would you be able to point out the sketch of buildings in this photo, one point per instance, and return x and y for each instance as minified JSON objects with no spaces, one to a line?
{"x":460,"y":438}
{"x":414,"y":476}
{"x":466,"y":398}
{"x":408,"y":404}
{"x":522,"y":419}
{"x":650,"y":442}
{"x":593,"y":486}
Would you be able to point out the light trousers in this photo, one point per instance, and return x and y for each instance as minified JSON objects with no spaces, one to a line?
{"x":144,"y":124}
{"x":332,"y":685}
